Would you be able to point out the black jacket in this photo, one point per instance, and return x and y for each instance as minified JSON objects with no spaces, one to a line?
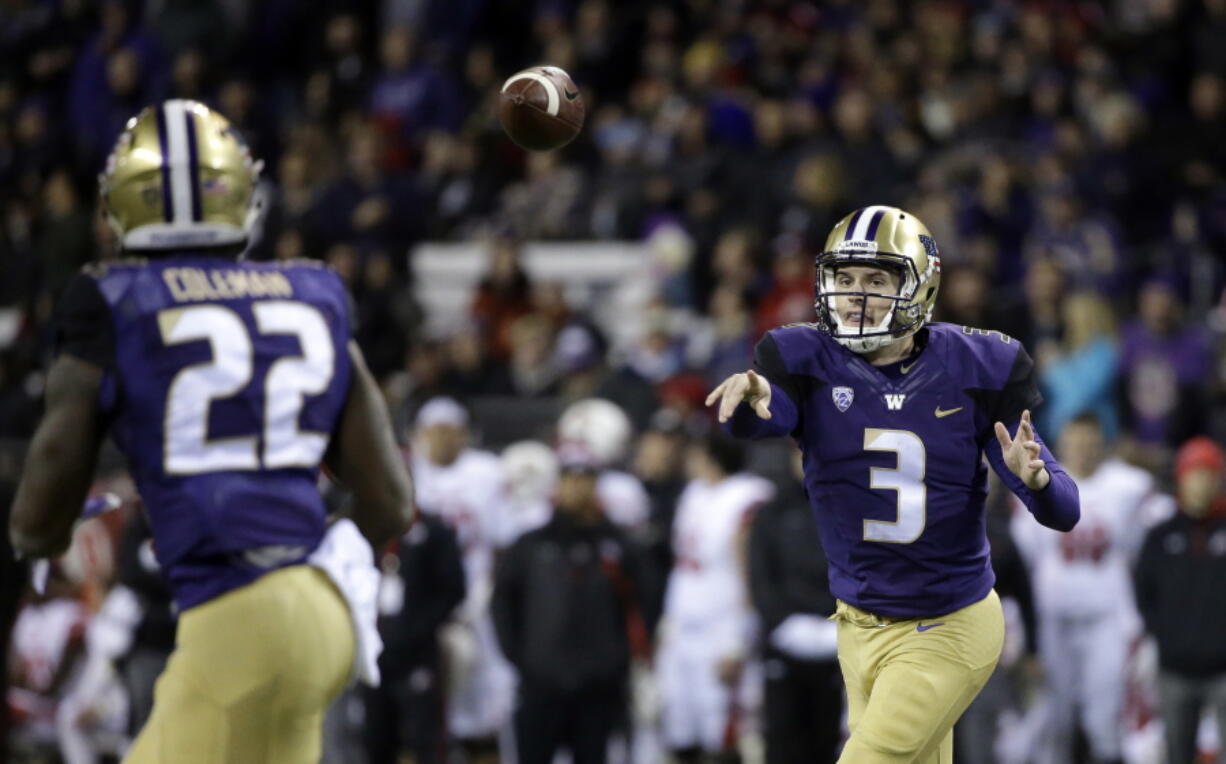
{"x":1181,"y":592}
{"x":568,"y":603}
{"x":138,"y":571}
{"x":432,"y":571}
{"x":787,"y":567}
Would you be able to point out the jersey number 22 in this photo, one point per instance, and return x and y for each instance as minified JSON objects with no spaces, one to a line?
{"x":187,"y":449}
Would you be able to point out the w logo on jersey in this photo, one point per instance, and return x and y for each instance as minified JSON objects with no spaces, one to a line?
{"x":893,"y":401}
{"x":843,"y":396}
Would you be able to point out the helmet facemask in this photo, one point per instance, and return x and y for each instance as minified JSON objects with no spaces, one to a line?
{"x":904,"y":317}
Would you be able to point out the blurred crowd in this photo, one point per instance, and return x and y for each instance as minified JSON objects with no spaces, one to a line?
{"x":1067,"y":156}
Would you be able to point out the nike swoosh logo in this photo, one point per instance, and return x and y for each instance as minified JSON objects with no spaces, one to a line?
{"x":571,"y":94}
{"x":905,"y":369}
{"x":944,"y":413}
{"x":922,"y":627}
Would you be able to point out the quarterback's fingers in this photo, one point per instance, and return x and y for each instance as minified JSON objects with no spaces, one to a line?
{"x":1002,"y":436}
{"x":1037,"y":464}
{"x":733,"y":395}
{"x":755,"y":382}
{"x":1026,"y":425}
{"x":714,"y":396}
{"x":760,"y":406}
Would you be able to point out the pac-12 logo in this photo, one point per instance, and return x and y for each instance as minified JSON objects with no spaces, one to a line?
{"x":843,"y":396}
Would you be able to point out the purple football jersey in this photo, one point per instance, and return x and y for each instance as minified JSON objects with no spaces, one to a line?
{"x":224,"y":381}
{"x":893,"y":459}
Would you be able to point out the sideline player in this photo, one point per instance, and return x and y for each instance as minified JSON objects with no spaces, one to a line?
{"x":708,"y":626}
{"x":894,"y":415}
{"x":1087,"y":614}
{"x":227,"y":384}
{"x":466,"y":488}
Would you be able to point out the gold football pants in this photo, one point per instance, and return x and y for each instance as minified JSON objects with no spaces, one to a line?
{"x":252,"y":673}
{"x":908,"y":680}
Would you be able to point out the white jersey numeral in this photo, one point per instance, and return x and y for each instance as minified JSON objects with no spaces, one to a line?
{"x":906,"y":479}
{"x":187,"y":448}
{"x":290,"y":379}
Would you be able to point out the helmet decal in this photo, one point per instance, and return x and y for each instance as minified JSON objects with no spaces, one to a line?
{"x":179,"y":176}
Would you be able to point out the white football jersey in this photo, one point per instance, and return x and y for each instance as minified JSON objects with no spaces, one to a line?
{"x":707,"y":583}
{"x":1086,"y":571}
{"x":41,"y":636}
{"x":470,"y":495}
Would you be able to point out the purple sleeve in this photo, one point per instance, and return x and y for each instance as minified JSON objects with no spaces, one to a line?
{"x":1057,"y":506}
{"x":745,"y":422}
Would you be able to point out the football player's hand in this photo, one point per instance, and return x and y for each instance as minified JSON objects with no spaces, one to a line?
{"x":1021,"y":453}
{"x":747,"y":387}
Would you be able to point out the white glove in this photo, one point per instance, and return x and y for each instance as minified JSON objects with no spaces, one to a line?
{"x":806,"y":637}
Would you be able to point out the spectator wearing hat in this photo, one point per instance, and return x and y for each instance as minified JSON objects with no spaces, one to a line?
{"x":1179,"y":579}
{"x":568,"y":612}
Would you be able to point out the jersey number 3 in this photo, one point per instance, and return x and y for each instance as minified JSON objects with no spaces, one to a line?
{"x":187,"y":449}
{"x":907,"y":480}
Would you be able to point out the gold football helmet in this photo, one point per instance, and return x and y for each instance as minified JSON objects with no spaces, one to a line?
{"x":887,"y":238}
{"x":179,"y":177}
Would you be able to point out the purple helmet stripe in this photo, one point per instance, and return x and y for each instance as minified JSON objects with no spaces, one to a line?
{"x":167,"y":207}
{"x":872,"y":226}
{"x":193,"y":167}
{"x":851,"y":225}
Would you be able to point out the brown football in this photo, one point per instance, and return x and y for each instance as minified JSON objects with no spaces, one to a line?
{"x":540,"y":108}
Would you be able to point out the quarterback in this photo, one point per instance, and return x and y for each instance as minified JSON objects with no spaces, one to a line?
{"x":894,"y":415}
{"x":226,"y":384}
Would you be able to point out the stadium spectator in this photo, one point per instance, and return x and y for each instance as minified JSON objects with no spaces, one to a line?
{"x":152,"y":635}
{"x":1164,"y":361}
{"x":423,"y":582}
{"x":1081,"y":375}
{"x":787,"y":580}
{"x":1178,"y":588}
{"x":659,"y":464}
{"x":569,"y":608}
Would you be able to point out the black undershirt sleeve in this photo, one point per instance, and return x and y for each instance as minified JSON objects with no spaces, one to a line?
{"x":1020,"y":392}
{"x":83,"y":327}
{"x":768,"y":362}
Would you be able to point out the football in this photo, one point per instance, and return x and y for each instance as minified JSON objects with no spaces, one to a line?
{"x":540,"y":108}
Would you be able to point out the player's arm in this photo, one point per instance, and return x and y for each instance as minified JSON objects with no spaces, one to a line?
{"x":1020,"y":457}
{"x":767,"y":389}
{"x":364,"y":458}
{"x":59,"y":466}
